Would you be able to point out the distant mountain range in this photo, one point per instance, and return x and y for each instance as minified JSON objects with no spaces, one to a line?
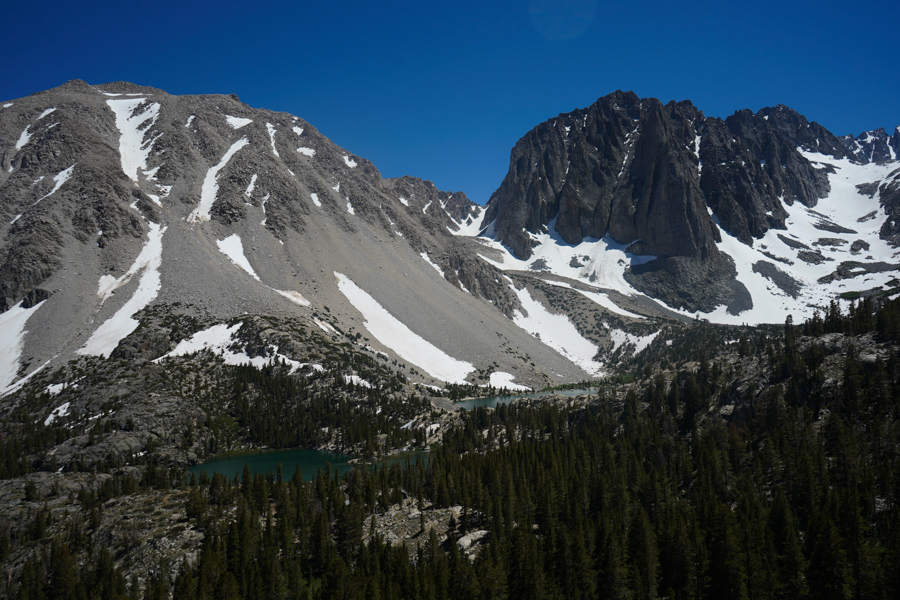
{"x":122,"y":207}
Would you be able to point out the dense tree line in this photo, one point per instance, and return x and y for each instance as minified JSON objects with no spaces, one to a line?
{"x":275,"y":409}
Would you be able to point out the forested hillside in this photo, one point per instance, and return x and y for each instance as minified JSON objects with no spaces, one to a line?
{"x":762,"y":468}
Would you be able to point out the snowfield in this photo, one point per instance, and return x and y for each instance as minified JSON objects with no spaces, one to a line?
{"x":106,"y":337}
{"x":556,"y":331}
{"x":133,"y":150}
{"x":598,"y":263}
{"x":388,"y":330}
{"x":12,"y":339}
{"x":846,"y":207}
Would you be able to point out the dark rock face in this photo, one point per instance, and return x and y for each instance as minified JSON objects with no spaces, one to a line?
{"x":652,"y":175}
{"x":890,"y":200}
{"x":874,"y":146}
{"x":448,"y":208}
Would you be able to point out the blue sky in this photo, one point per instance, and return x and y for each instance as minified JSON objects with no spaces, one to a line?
{"x":442,"y":91}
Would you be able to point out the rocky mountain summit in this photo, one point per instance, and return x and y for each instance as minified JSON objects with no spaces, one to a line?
{"x":666,"y":183}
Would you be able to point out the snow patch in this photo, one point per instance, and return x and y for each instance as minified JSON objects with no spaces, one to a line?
{"x":45,"y":113}
{"x":55,"y":388}
{"x":404,"y":201}
{"x":388,"y":330}
{"x":620,"y":337}
{"x":307,"y":151}
{"x":298,"y":130}
{"x":327,"y":328}
{"x":249,"y":191}
{"x":234,"y":249}
{"x":210,"y":186}
{"x":237,"y":122}
{"x":500,"y":379}
{"x":190,"y":120}
{"x":218,"y":339}
{"x":357,"y":380}
{"x":106,"y":337}
{"x":349,"y":161}
{"x":315,"y":199}
{"x":472,"y":226}
{"x":599,"y":263}
{"x":60,"y":411}
{"x":150,"y":254}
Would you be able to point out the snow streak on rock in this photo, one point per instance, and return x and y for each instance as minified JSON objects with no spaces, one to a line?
{"x":210,"y":186}
{"x":59,"y":179}
{"x":271,"y":129}
{"x":132,"y":129}
{"x":425,"y":257}
{"x":24,"y":138}
{"x":388,"y":330}
{"x":295,"y":297}
{"x":150,"y":254}
{"x":105,"y":339}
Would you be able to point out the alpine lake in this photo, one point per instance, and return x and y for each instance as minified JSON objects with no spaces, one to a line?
{"x":309,"y":462}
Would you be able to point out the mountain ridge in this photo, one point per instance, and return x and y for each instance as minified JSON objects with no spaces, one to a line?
{"x":118,"y":197}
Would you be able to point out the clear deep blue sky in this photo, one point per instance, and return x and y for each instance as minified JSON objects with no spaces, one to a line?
{"x":443,"y":90}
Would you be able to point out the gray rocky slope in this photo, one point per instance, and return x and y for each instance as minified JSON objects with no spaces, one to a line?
{"x":117,"y":198}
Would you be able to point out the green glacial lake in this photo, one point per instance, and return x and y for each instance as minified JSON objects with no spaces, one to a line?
{"x":310,"y":461}
{"x":494,"y":401}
